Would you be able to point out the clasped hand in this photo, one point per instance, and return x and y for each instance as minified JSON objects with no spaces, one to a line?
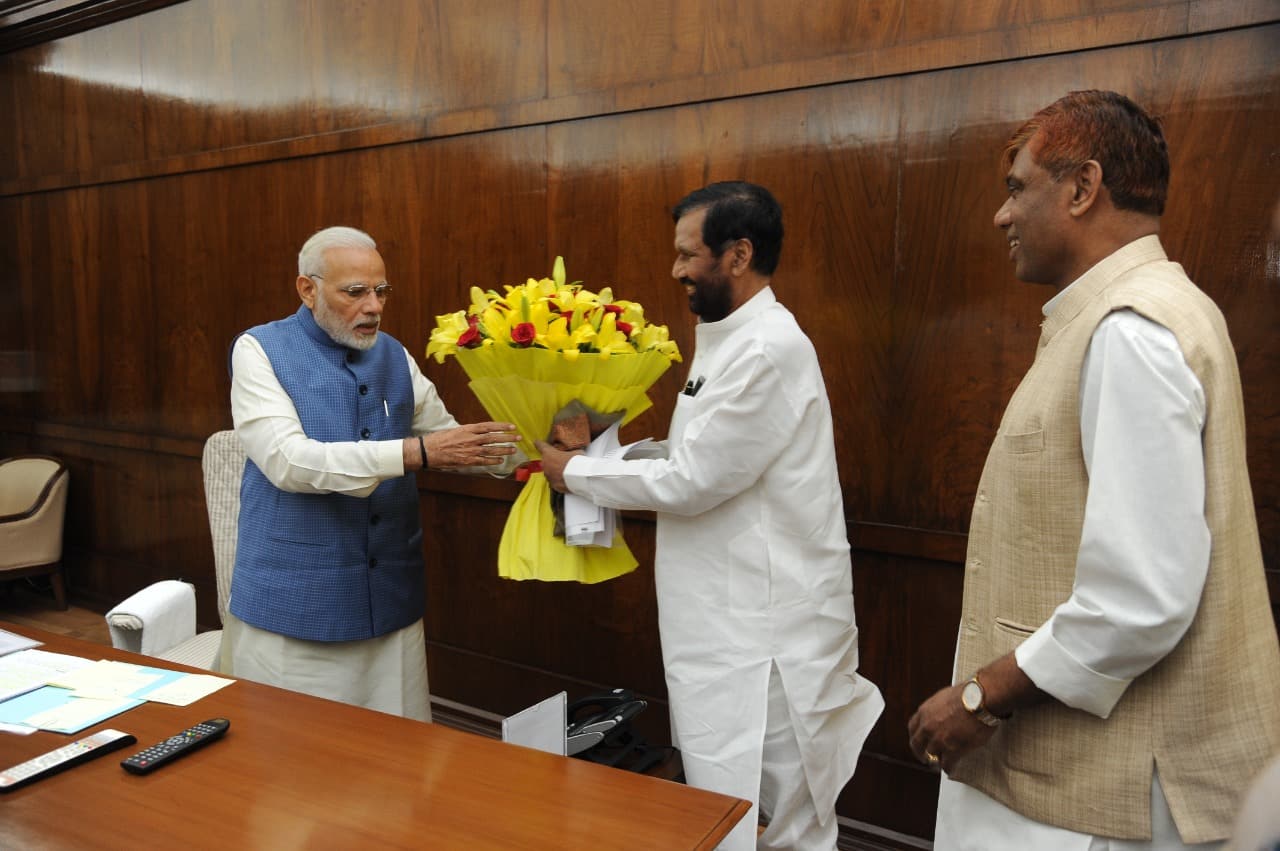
{"x":554,"y":461}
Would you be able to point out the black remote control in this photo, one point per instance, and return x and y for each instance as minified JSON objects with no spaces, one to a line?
{"x":144,"y":762}
{"x":83,"y":750}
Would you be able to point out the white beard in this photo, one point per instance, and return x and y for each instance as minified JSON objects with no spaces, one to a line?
{"x":332,"y":326}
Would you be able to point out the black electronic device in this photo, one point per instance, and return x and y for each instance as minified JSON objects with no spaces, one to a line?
{"x":599,"y":730}
{"x":82,"y":750}
{"x":146,"y":761}
{"x":591,"y":719}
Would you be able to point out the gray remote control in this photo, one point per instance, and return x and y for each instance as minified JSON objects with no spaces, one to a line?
{"x":144,"y":762}
{"x":83,"y":750}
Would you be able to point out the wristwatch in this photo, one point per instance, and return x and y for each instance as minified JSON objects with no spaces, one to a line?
{"x":973,"y":698}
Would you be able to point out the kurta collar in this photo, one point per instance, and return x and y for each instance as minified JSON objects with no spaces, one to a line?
{"x":1066,"y":305}
{"x":756,"y":305}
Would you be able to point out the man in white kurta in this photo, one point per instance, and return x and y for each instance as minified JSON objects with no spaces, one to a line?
{"x":755,"y":599}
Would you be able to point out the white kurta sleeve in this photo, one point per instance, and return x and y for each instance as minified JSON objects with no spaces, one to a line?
{"x":747,"y":416}
{"x":1144,"y":548}
{"x":429,"y":412}
{"x":267,"y":423}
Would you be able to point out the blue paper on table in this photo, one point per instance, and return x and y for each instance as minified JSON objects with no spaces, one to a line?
{"x":24,"y":708}
{"x":27,"y":707}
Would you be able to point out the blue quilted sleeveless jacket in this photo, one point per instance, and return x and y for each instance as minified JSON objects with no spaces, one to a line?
{"x":331,"y":567}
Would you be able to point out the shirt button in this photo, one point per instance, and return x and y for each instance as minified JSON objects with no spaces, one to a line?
{"x":364,"y":433}
{"x":364,"y":388}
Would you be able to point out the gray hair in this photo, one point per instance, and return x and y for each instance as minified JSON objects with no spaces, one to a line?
{"x":311,"y":257}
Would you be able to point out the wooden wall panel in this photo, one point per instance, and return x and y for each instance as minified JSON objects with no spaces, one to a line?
{"x":199,"y":76}
{"x":1221,"y":106}
{"x":675,"y":40}
{"x":200,"y":85}
{"x":126,"y":280}
{"x":908,"y":610}
{"x":940,"y":20}
{"x":77,"y":104}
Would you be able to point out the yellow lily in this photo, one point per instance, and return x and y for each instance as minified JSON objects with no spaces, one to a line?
{"x":611,"y":341}
{"x":656,"y":338}
{"x":444,"y":339}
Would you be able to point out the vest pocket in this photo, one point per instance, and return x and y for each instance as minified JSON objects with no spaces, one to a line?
{"x":1018,"y":444}
{"x":1017,"y":630}
{"x":1029,"y":744}
{"x":302,"y":520}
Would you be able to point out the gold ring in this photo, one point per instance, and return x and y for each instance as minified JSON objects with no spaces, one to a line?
{"x":932,"y":757}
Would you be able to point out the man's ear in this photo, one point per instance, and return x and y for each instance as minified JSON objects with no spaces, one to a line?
{"x":307,"y":291}
{"x":740,"y":257}
{"x":1086,"y":187}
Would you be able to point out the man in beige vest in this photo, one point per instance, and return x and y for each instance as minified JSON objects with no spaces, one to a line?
{"x":1118,"y":671}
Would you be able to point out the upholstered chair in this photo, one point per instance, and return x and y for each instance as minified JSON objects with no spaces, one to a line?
{"x":33,"y":504}
{"x":159,"y":620}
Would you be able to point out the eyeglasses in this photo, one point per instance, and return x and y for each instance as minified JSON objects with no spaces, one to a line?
{"x":358,"y":291}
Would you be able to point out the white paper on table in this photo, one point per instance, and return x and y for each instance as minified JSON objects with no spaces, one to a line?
{"x":11,"y":642}
{"x":26,"y":670}
{"x":17,"y":729}
{"x":188,"y":689}
{"x":106,"y":679}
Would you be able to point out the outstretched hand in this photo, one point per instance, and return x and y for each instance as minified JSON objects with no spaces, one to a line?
{"x":473,"y":445}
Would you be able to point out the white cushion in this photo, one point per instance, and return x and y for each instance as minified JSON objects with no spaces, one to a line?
{"x":200,"y":651}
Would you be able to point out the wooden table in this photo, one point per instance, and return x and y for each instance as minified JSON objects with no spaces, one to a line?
{"x":297,"y":772}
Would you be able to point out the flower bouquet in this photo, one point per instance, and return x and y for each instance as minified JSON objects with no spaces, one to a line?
{"x":529,"y":354}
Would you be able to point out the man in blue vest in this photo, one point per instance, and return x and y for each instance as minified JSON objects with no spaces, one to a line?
{"x":328,"y":591}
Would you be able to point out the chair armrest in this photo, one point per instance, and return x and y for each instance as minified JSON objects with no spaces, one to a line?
{"x":154,"y":619}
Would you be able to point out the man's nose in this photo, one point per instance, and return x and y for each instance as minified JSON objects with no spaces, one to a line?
{"x":1002,"y":216}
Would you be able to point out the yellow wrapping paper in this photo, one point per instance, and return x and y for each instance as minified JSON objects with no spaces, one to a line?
{"x":528,"y":387}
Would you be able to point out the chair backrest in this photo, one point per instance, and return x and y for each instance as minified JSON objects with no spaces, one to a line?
{"x":33,"y":504}
{"x":223,"y":465}
{"x":27,"y":481}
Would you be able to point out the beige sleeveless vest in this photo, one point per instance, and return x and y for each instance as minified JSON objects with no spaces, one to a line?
{"x":1208,"y":714}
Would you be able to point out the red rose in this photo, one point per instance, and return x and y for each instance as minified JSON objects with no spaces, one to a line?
{"x":614,"y":309}
{"x":469,"y":338}
{"x":523,"y":333}
{"x":624,"y":327}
